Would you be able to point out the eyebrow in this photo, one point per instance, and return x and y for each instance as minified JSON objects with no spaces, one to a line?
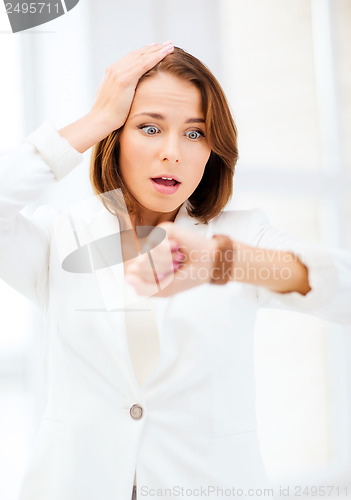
{"x":158,"y":116}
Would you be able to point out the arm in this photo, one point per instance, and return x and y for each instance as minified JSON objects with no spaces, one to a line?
{"x":24,"y":242}
{"x":287,"y":272}
{"x":47,"y":156}
{"x":329,"y":274}
{"x":87,"y":131}
{"x":277,"y":270}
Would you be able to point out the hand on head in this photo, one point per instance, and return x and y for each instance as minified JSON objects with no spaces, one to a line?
{"x":115,"y":94}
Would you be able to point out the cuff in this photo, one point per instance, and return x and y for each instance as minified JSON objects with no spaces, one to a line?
{"x":55,"y":150}
{"x":322,"y":278}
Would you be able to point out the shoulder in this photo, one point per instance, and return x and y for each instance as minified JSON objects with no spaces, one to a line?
{"x":243,"y":225}
{"x":42,"y":218}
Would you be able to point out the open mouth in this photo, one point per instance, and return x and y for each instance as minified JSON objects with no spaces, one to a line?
{"x":165,"y":181}
{"x":165,"y":185}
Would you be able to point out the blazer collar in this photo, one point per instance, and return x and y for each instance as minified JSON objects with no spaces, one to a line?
{"x":191,"y":223}
{"x":100,"y":222}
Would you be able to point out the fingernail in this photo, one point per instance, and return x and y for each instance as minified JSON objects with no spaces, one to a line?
{"x":175,"y":247}
{"x":153,"y":44}
{"x":176,"y":266}
{"x":179,"y":256}
{"x":167,"y":42}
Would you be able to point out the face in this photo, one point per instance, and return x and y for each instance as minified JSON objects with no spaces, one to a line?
{"x":164,"y":136}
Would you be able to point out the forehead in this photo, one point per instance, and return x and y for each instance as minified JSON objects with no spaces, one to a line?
{"x":169,"y":94}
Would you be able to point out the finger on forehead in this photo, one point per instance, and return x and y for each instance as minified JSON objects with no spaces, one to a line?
{"x":149,"y":49}
{"x":152,"y":58}
{"x":154,"y":47}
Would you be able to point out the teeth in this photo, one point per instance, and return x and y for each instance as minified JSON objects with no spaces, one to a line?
{"x":167,"y":178}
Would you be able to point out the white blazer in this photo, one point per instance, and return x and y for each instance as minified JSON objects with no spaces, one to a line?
{"x":192,"y":424}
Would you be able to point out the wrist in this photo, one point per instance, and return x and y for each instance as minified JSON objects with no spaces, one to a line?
{"x":223,"y":260}
{"x":87,"y":131}
{"x":103,"y":123}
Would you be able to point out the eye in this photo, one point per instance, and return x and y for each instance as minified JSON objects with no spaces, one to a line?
{"x":149,"y":129}
{"x":195,"y":134}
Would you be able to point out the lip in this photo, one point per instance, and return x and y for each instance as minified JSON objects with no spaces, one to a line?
{"x":165,"y":189}
{"x":167,"y":175}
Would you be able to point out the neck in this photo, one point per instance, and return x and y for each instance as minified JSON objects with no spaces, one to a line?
{"x":150,"y":218}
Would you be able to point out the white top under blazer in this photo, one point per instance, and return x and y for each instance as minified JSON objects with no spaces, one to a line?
{"x":187,"y":419}
{"x":143,"y":342}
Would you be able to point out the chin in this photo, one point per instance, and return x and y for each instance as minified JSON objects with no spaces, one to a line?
{"x":162,"y":206}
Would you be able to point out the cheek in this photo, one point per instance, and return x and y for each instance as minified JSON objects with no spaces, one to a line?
{"x":197,"y":155}
{"x":198,"y":172}
{"x":203,"y":159}
{"x":137,"y":150}
{"x":129,"y":155}
{"x":201,"y":164}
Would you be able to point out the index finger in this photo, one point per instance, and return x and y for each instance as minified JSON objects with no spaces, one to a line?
{"x":156,"y":52}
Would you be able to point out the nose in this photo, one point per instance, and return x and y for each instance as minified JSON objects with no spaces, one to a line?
{"x":170,"y":150}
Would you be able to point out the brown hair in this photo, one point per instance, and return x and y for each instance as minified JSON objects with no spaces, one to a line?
{"x":216,"y":186}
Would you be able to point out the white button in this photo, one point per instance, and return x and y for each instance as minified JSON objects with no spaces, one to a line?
{"x":136,"y":412}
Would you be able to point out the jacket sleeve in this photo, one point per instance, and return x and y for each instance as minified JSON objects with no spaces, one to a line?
{"x":329,"y":274}
{"x":25,"y":172}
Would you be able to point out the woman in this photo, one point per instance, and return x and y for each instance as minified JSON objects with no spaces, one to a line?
{"x":149,"y":362}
